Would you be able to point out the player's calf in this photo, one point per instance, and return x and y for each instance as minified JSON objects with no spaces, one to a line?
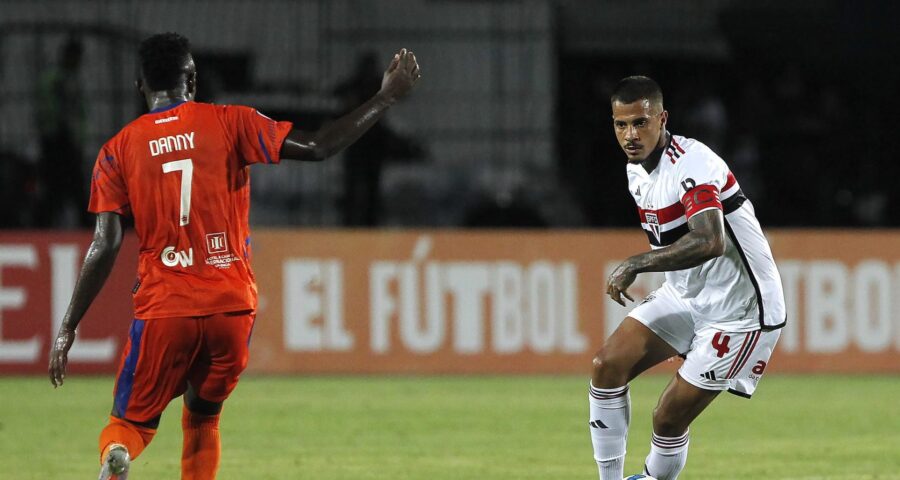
{"x":610,"y":414}
{"x":679,"y":405}
{"x":630,"y":350}
{"x":202,"y":447}
{"x":119,"y":432}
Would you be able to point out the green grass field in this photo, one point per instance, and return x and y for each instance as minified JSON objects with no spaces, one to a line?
{"x":485,"y":428}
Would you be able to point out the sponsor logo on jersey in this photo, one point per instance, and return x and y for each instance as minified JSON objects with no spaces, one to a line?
{"x":217,"y":247}
{"x":166,"y":120}
{"x":653,"y":223}
{"x":216,"y":243}
{"x":171,"y":258}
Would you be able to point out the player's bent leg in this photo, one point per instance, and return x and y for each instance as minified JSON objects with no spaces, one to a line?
{"x":225,"y":355}
{"x":128,"y":434}
{"x":121,"y":442}
{"x":630,"y":350}
{"x":680,"y":403}
{"x":151,"y":373}
{"x":202,"y":446}
{"x":201,"y":449}
{"x":200,"y":406}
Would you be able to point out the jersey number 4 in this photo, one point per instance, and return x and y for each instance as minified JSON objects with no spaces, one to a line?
{"x":186,"y":167}
{"x":720,"y":343}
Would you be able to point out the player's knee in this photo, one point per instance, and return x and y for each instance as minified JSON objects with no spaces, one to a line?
{"x":606,"y":371}
{"x":599,"y":363}
{"x":202,"y":407}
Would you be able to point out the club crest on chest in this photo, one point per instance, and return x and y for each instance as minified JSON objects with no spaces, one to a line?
{"x":653,"y":223}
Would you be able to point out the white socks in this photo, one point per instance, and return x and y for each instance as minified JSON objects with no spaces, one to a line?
{"x":667,"y":456}
{"x":610,"y":416}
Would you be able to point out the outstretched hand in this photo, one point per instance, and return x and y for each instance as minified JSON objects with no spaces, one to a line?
{"x":401,"y":75}
{"x":59,"y":355}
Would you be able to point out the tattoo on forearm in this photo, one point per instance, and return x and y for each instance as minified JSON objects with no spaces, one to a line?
{"x":694,"y":248}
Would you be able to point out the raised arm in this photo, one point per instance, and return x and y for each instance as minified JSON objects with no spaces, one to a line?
{"x":399,"y":78}
{"x":97,"y":264}
{"x":704,"y":241}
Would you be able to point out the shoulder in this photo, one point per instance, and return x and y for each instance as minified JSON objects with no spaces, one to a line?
{"x":697,"y":164}
{"x":694,"y":154}
{"x":206,"y":110}
{"x":233,"y":110}
{"x":120,"y":139}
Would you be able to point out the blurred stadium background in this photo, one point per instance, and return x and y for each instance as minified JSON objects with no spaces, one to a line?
{"x":472,"y":231}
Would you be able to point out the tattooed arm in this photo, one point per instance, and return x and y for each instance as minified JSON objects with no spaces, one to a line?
{"x":704,"y":241}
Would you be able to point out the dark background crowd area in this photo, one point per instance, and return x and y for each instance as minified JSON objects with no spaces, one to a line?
{"x":803,"y":106}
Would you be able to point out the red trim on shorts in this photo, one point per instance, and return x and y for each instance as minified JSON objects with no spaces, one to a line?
{"x":737,"y":357}
{"x":747,"y":355}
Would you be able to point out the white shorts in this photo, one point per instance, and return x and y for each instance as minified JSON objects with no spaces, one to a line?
{"x":714,"y":359}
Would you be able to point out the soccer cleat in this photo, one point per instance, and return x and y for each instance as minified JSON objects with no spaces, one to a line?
{"x":115,"y":466}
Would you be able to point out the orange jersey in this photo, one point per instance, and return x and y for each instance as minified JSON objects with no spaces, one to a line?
{"x":183,"y":173}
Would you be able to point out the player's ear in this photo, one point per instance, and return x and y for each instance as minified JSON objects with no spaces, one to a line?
{"x":192,"y":84}
{"x":663,"y":118}
{"x":139,"y":86}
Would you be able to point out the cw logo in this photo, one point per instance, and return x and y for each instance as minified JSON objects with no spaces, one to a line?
{"x":171,"y":258}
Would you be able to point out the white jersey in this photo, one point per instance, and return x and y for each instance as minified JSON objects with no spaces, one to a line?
{"x":739,"y":291}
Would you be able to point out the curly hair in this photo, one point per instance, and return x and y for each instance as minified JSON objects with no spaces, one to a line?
{"x":162,"y":58}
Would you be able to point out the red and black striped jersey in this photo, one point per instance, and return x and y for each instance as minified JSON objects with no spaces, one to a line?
{"x":742,"y":288}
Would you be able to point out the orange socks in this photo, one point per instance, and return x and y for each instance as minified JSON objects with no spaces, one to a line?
{"x":122,"y":432}
{"x":201,"y":450}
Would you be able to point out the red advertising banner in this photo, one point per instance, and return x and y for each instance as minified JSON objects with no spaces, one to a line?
{"x":454,"y":301}
{"x":37,"y":276}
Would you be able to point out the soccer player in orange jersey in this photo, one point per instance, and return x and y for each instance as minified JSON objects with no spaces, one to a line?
{"x":182,"y":172}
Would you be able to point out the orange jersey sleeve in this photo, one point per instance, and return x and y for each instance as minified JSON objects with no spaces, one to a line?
{"x":183,"y":173}
{"x":108,"y":190}
{"x":257,"y":137}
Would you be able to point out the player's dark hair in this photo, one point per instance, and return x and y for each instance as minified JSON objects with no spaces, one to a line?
{"x":162,"y":58}
{"x":633,"y":89}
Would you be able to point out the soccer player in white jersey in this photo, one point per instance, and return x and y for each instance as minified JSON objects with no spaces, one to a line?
{"x":720,"y":307}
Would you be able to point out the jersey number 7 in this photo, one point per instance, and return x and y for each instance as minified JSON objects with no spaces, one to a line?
{"x":186,"y":167}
